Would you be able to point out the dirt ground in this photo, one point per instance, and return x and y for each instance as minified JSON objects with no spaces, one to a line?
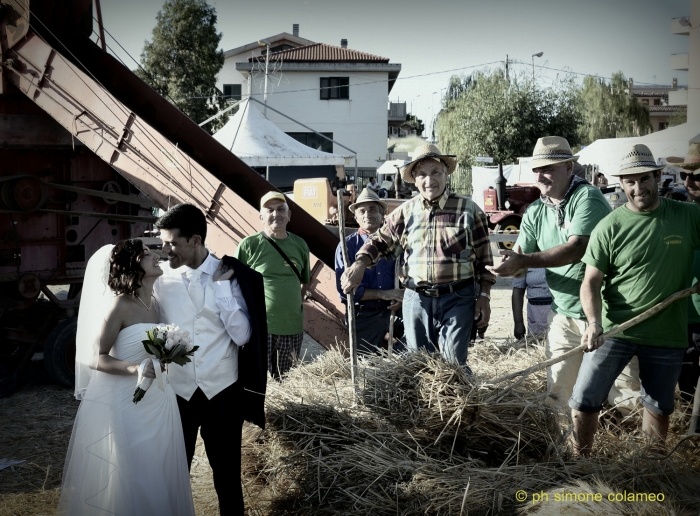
{"x":36,"y":423}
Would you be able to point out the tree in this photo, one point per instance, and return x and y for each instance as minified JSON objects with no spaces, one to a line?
{"x":415,"y":123}
{"x":610,"y":111}
{"x":182,"y":60}
{"x":486,"y":114}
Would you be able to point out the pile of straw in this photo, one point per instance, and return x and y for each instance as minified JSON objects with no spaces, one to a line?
{"x":422,"y":437}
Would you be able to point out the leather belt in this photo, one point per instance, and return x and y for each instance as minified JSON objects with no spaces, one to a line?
{"x":540,"y":301}
{"x":445,"y":288}
{"x":361,"y":308}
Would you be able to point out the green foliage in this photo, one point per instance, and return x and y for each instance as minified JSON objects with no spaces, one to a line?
{"x":678,"y":118}
{"x":610,"y":112}
{"x":415,"y":123}
{"x":486,"y":114}
{"x":182,"y":60}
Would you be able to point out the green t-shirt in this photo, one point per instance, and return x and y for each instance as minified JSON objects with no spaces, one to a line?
{"x":694,"y":301}
{"x":285,"y":314}
{"x":539,"y":231}
{"x":646,"y":257}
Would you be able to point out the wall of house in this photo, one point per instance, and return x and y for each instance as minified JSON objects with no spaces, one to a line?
{"x":359,"y":122}
{"x":228,"y":73}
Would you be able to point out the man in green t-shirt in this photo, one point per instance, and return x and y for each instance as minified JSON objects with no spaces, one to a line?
{"x":639,"y":255}
{"x":283,"y":260}
{"x":690,"y":372}
{"x":554,"y":234}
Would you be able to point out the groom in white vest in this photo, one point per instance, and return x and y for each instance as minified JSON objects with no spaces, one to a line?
{"x":225,"y":383}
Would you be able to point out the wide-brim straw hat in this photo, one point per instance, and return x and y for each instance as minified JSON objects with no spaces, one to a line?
{"x":637,"y":160}
{"x":691,"y":160}
{"x":551,"y":150}
{"x":427,"y":151}
{"x":366,"y":196}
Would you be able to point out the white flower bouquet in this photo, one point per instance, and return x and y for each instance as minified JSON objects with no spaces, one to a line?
{"x":169,"y":344}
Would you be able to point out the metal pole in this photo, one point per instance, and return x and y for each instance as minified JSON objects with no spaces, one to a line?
{"x":533,"y":68}
{"x":350,"y":295}
{"x":267,"y":61}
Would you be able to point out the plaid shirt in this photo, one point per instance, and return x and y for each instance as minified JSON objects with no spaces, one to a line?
{"x":442,"y":242}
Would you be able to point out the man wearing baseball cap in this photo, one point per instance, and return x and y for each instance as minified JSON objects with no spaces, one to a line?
{"x":283,"y":260}
{"x":690,"y":372}
{"x":639,"y":255}
{"x":376,"y":297}
{"x":444,"y":240}
{"x":554,"y":234}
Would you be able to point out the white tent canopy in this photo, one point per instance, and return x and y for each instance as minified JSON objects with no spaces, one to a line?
{"x":608,"y":153}
{"x":260,"y":143}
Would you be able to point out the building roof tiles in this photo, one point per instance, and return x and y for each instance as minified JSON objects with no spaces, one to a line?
{"x":321,"y":52}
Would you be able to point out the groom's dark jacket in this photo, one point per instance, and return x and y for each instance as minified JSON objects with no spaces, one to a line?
{"x":252,"y":358}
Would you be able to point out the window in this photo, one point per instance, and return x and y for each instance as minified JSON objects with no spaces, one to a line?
{"x":314,"y":141}
{"x":663,"y":125}
{"x":232,"y":91}
{"x":645,"y":101}
{"x":335,"y":88}
{"x":657,"y":102}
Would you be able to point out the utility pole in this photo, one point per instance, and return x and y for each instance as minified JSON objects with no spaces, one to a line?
{"x":506,"y":67}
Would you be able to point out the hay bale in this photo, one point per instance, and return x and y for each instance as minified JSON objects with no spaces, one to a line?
{"x":422,"y":437}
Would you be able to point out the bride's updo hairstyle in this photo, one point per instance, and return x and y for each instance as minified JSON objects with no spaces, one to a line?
{"x":125,"y":272}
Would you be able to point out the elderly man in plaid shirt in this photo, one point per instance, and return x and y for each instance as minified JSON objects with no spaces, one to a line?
{"x":444,"y":239}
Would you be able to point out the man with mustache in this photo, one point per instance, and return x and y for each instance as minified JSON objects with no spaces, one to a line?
{"x":638,"y":256}
{"x":283,"y":260}
{"x":444,"y":240}
{"x":554,"y":234}
{"x":690,"y":372}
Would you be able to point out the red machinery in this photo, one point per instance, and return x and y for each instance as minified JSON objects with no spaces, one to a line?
{"x":504,"y":205}
{"x":88,"y":150}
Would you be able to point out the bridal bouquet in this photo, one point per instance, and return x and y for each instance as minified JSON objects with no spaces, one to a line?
{"x":169,"y":344}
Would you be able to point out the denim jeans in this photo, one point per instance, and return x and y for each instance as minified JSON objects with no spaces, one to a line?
{"x":440,"y":323}
{"x":659,"y":369}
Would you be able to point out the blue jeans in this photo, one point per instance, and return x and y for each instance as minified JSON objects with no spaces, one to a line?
{"x":440,"y":323}
{"x":659,"y":369}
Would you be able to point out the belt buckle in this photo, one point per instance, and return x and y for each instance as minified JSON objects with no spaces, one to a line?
{"x":431,"y":292}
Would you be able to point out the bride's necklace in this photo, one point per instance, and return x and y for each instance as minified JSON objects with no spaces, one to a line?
{"x":144,"y":304}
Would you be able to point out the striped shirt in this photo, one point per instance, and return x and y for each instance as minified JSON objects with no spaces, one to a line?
{"x":442,"y":241}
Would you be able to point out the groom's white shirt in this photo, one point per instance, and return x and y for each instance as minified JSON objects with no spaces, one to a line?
{"x":218,"y":328}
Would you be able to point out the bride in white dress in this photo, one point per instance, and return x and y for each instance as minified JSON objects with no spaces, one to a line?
{"x":124,"y":459}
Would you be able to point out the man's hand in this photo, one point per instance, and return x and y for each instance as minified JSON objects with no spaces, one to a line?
{"x":223,"y":272}
{"x":395,"y":295}
{"x":512,"y":265}
{"x":519,"y":331}
{"x":352,"y":277}
{"x":482,"y":311}
{"x":592,"y":337}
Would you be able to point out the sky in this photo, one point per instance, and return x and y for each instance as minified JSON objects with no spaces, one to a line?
{"x":433,"y":40}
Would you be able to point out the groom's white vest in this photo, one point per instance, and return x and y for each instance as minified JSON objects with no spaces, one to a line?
{"x":214,"y":365}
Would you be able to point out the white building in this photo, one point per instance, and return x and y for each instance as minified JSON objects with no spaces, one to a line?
{"x":339,"y":92}
{"x":231,"y":82}
{"x":688,"y":26}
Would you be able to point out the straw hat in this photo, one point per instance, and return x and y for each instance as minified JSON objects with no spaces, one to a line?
{"x":427,"y":151}
{"x":366,"y":196}
{"x":637,"y":161}
{"x":551,"y":150}
{"x":691,"y":160}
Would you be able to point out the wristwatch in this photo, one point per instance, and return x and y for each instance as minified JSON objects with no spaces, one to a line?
{"x":485,"y":295}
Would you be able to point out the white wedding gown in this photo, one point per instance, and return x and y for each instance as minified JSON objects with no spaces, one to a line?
{"x":126,"y":459}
